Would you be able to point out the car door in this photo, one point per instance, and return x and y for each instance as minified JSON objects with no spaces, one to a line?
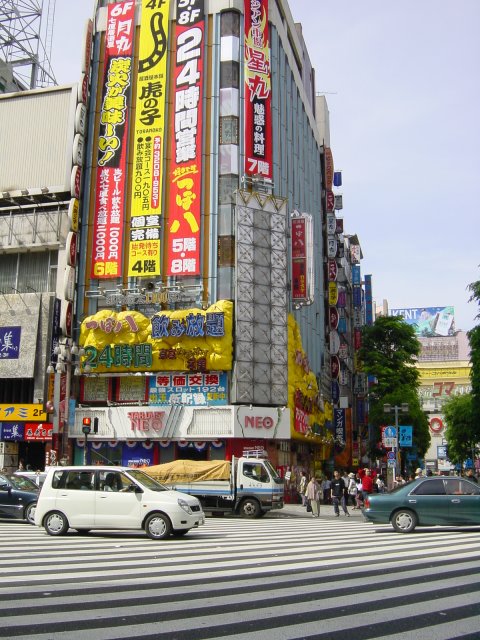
{"x":464,"y":501}
{"x":76,"y":498}
{"x":8,"y":502}
{"x":117,"y":506}
{"x":430,"y":502}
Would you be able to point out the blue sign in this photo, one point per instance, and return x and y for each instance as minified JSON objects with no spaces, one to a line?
{"x":405,"y":437}
{"x":12,"y":430}
{"x":10,"y":343}
{"x":390,"y":432}
{"x":193,"y":389}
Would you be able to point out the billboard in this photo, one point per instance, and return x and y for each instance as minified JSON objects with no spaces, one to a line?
{"x":428,"y":321}
{"x":183,"y":238}
{"x":258,"y":91}
{"x":149,"y":142}
{"x":110,"y":191}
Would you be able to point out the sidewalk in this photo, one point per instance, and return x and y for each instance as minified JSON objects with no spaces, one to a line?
{"x":326,"y":511}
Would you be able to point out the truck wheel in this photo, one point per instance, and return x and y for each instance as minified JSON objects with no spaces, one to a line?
{"x":249,"y":508}
{"x":157,"y":526}
{"x":55,"y":523}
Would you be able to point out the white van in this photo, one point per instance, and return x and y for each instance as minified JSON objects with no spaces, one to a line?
{"x":102,"y":497}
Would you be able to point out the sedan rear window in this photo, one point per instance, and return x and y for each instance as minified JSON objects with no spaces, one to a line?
{"x":430,"y":488}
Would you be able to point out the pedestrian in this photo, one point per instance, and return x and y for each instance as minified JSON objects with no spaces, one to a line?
{"x":471,"y":476}
{"x":337,"y":493}
{"x":313,"y":496}
{"x":418,"y":472}
{"x":302,"y":487}
{"x":380,"y":483}
{"x":326,"y":490}
{"x":367,"y":483}
{"x":352,"y":490}
{"x":359,"y":496}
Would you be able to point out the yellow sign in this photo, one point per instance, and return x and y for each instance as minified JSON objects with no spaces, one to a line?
{"x":332,"y":294}
{"x":149,"y":141}
{"x":22,"y":413}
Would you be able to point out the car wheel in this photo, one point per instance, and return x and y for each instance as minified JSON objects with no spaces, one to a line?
{"x":249,"y":508}
{"x":30,"y":513}
{"x":179,"y":532}
{"x":404,"y":521}
{"x":55,"y":523}
{"x":157,"y":526}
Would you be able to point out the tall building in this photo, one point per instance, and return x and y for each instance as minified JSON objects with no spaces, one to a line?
{"x":211,"y":300}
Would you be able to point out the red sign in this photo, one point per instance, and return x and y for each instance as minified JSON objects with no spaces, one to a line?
{"x":38,"y":431}
{"x":299,"y":279}
{"x":333,"y":317}
{"x":330,"y":201}
{"x":258,"y":89}
{"x":328,"y":168}
{"x":108,"y":223}
{"x":183,"y":248}
{"x":301,"y":422}
{"x":332,"y":270}
{"x":334,"y":366}
{"x":299,"y":245}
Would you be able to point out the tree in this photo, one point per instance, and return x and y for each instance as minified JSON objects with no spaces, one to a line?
{"x":462,"y":432}
{"x":474,"y":338}
{"x":388,"y":353}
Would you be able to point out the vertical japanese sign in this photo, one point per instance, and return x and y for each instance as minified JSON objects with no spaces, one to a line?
{"x":113,"y":136}
{"x":149,"y":141}
{"x":258,"y":88}
{"x":183,"y":239}
{"x":299,"y":260}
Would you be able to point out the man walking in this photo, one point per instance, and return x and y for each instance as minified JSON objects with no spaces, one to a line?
{"x":337,"y":489}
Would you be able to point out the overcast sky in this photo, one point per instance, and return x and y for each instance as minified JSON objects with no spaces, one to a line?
{"x":401,"y":81}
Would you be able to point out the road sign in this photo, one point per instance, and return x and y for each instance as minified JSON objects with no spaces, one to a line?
{"x":391,"y":464}
{"x":390,"y":443}
{"x":391,"y":455}
{"x":390,"y":432}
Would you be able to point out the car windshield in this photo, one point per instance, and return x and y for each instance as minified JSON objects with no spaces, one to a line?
{"x":146,"y":481}
{"x":273,"y":471}
{"x":21,"y":483}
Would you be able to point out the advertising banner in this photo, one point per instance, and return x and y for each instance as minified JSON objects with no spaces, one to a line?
{"x":197,"y":389}
{"x":10,"y":342}
{"x":428,"y":321}
{"x":108,"y":223}
{"x":149,"y":141}
{"x":183,"y":238}
{"x":258,"y":89}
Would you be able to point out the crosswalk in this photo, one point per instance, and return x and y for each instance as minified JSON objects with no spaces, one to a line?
{"x":274,"y":578}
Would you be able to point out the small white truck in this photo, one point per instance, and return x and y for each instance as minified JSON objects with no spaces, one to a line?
{"x":245,"y":486}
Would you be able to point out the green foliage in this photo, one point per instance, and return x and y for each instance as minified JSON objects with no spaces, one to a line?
{"x":462,"y":432}
{"x":388,"y":353}
{"x":474,"y":338}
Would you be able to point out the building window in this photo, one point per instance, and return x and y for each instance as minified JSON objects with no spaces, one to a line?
{"x":28,"y":272}
{"x":230,"y":24}
{"x":229,"y":74}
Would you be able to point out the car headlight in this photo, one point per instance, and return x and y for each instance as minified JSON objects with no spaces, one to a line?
{"x":185,"y":506}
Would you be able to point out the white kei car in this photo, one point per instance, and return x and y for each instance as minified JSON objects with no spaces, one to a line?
{"x":103,"y":497}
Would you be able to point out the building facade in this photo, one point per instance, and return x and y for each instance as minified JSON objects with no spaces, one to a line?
{"x":210,"y":301}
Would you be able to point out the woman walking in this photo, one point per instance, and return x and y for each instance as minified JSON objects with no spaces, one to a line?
{"x":313,"y":496}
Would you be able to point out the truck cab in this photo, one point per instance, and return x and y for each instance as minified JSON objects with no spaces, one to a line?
{"x":259,"y":488}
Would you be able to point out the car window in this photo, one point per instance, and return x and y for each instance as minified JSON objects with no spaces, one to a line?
{"x":460,"y":487}
{"x":80,"y":480}
{"x":113,"y":481}
{"x":256,"y":471}
{"x":22,"y":483}
{"x":430,"y":488}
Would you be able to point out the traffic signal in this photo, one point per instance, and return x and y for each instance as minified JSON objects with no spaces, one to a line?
{"x":86,"y":425}
{"x":95,"y":425}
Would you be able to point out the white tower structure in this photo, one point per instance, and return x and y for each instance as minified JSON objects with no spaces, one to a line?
{"x":26,"y":31}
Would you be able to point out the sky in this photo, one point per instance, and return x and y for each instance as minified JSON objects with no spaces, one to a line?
{"x":401,"y":82}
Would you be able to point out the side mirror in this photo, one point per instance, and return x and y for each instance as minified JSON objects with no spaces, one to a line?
{"x":6,"y":487}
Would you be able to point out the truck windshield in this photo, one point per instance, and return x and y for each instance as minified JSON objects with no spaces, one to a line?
{"x":272,"y":471}
{"x":146,"y":481}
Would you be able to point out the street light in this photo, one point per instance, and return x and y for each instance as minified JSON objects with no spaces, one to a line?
{"x":387,"y":408}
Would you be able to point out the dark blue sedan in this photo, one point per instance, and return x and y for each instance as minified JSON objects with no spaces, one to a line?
{"x":18,"y":497}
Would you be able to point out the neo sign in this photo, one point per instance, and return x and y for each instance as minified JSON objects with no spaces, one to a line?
{"x":259,"y":422}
